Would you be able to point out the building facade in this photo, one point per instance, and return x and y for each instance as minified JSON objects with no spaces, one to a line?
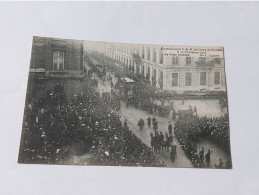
{"x":55,"y":62}
{"x":165,"y":72}
{"x":58,"y":57}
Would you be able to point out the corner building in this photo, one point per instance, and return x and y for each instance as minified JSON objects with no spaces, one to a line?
{"x":55,"y":63}
{"x":58,"y":57}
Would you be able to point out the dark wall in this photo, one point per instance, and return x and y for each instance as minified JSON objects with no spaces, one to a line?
{"x":43,"y":48}
{"x":39,"y":87}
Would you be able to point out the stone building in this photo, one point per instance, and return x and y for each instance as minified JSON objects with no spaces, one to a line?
{"x":55,"y":62}
{"x":165,"y":72}
{"x":58,"y":57}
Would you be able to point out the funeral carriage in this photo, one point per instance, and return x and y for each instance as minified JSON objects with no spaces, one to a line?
{"x":164,"y":110}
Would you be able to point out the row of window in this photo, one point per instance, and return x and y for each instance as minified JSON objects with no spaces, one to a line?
{"x":131,"y":49}
{"x":148,"y":53}
{"x":175,"y":77}
{"x":175,"y":61}
{"x":188,"y":75}
{"x":188,"y":78}
{"x":124,"y":60}
{"x":161,"y":59}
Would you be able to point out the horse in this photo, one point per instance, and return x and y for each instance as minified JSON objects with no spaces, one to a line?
{"x":164,"y":146}
{"x":157,"y":144}
{"x":167,"y":143}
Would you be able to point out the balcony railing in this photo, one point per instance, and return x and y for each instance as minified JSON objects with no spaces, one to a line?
{"x":205,"y":64}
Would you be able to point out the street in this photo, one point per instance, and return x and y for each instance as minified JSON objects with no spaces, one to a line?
{"x":133,"y":115}
{"x":209,"y":108}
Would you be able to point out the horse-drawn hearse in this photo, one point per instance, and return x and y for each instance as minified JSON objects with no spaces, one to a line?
{"x":125,"y":86}
{"x":164,"y":110}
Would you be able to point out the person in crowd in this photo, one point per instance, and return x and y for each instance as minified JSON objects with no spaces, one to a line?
{"x":112,"y":85}
{"x":195,"y":110}
{"x":191,"y":111}
{"x":170,"y":128}
{"x":155,"y":107}
{"x":207,"y":157}
{"x":173,"y":153}
{"x":127,"y":102}
{"x":149,"y":121}
{"x":125,"y":124}
{"x":153,"y":120}
{"x":201,"y":154}
{"x":155,"y":125}
{"x":141,"y":124}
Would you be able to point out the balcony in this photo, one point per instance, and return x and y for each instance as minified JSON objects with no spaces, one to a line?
{"x":202,"y":64}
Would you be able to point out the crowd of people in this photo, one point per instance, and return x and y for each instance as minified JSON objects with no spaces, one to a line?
{"x":53,"y":131}
{"x":191,"y":131}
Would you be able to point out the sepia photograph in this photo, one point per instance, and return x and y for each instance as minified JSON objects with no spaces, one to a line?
{"x":125,"y":104}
